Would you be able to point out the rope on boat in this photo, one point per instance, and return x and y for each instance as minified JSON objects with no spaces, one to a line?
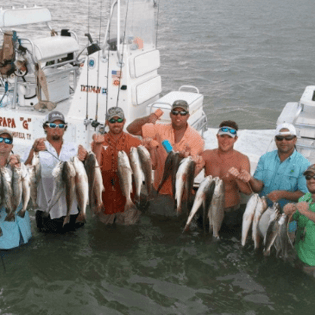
{"x":108,"y":61}
{"x":98,"y":65}
{"x":87,"y":73}
{"x":122,"y":56}
{"x":157,"y":3}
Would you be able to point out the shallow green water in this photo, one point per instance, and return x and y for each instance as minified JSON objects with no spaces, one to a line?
{"x":150,"y":268}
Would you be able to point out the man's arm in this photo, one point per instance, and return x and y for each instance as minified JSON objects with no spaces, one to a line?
{"x":283,"y":194}
{"x":39,"y":145}
{"x":96,"y":146}
{"x":135,"y":128}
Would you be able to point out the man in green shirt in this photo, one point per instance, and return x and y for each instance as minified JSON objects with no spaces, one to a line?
{"x":304,"y":214}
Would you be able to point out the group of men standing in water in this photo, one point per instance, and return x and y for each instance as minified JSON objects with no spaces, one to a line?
{"x":283,"y":175}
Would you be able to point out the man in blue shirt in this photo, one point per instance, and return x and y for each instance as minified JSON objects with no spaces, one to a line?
{"x":279,"y":174}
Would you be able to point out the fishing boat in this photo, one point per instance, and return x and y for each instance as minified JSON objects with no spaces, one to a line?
{"x":53,"y":71}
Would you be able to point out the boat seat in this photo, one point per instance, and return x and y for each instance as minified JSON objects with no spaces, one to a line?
{"x":51,"y":48}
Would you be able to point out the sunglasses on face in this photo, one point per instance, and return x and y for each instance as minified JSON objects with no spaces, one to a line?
{"x":288,"y":138}
{"x":309,"y":177}
{"x":229,"y":130}
{"x":176,"y":112}
{"x":6,"y":140}
{"x":113,"y":120}
{"x":53,"y":125}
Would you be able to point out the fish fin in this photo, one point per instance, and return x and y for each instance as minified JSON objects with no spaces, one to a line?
{"x":66,"y":220}
{"x":21,"y":213}
{"x":10,"y":217}
{"x":81,"y":218}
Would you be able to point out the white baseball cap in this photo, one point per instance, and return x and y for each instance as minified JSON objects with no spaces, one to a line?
{"x":290,"y":127}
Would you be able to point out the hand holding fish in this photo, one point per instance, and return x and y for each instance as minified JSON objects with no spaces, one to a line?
{"x":146,"y":142}
{"x":98,"y":138}
{"x":153,"y":118}
{"x":302,"y":207}
{"x":39,"y":145}
{"x":186,"y":152}
{"x":275,"y":195}
{"x":82,"y":153}
{"x":244,"y":176}
{"x":233,"y":172}
{"x":14,"y":160}
{"x":289,"y":208}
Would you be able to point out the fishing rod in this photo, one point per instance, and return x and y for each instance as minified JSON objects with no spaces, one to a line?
{"x":122,"y":56}
{"x":156,"y":4}
{"x":87,"y":73}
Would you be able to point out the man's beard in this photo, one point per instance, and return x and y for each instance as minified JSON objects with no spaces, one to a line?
{"x":56,"y":137}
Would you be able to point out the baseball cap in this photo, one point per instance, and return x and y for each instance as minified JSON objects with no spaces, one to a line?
{"x":290,"y":127}
{"x":181,"y":104}
{"x":55,"y":115}
{"x":115,"y":112}
{"x":311,"y":169}
{"x":6,"y":131}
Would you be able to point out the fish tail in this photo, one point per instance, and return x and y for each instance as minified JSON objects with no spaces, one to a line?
{"x":1,"y":233}
{"x":66,"y":220}
{"x":81,"y":218}
{"x":10,"y":217}
{"x":21,"y":213}
{"x":186,"y":229}
{"x":129,"y":204}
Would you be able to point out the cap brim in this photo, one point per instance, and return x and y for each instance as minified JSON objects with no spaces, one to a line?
{"x":226,"y":133}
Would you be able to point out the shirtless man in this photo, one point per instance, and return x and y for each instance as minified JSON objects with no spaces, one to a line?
{"x":228,"y":164}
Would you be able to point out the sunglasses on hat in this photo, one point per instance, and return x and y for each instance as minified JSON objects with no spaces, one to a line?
{"x":232,"y":131}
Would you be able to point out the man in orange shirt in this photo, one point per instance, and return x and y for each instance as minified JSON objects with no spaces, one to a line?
{"x":181,"y":136}
{"x":106,"y":148}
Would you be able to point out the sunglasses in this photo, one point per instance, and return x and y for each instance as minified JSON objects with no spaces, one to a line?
{"x":176,"y":112}
{"x":309,"y":177}
{"x":6,"y":140}
{"x":288,"y":138}
{"x":113,"y":120}
{"x":229,"y":130}
{"x":53,"y":126}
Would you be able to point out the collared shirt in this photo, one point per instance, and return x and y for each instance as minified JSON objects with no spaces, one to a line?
{"x":305,"y":234}
{"x":286,"y":175}
{"x":113,"y":199}
{"x":160,"y":132}
{"x":46,"y":184}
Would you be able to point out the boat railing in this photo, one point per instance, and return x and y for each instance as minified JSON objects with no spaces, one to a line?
{"x":189,"y":87}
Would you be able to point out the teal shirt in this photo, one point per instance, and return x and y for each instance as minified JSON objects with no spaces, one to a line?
{"x":16,"y":232}
{"x":277,"y":175}
{"x":305,"y":234}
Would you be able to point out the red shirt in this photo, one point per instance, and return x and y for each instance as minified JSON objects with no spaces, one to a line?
{"x":113,"y":198}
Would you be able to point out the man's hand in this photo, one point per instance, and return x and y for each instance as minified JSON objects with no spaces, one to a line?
{"x":153,"y":118}
{"x":81,"y":153}
{"x":275,"y":195}
{"x":200,"y":162}
{"x":98,"y":138}
{"x":289,"y":208}
{"x":39,"y":145}
{"x":233,"y":172}
{"x":244,"y":176}
{"x":186,"y":152}
{"x":302,"y":207}
{"x":14,"y":160}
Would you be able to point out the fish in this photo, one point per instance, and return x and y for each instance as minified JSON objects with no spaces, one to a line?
{"x":272,"y":230}
{"x":168,"y":166}
{"x":175,"y":165}
{"x":68,"y":177}
{"x":125,"y":178}
{"x":37,"y":166}
{"x":6,"y":193}
{"x":33,"y":185}
{"x":182,"y":176}
{"x":95,"y":182}
{"x":59,"y":184}
{"x":201,"y":199}
{"x":16,"y":186}
{"x":26,"y":190}
{"x":291,"y":235}
{"x":146,"y":165}
{"x":261,"y":207}
{"x":137,"y":171}
{"x":282,"y":242}
{"x":216,"y":210}
{"x":81,"y":188}
{"x":248,"y":216}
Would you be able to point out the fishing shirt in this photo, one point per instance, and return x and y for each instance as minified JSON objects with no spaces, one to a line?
{"x":113,"y":199}
{"x":15,"y":232}
{"x":305,"y":234}
{"x":161,"y":132}
{"x":46,"y":184}
{"x":277,"y":175}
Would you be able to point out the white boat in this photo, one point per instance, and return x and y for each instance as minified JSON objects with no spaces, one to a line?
{"x":121,"y":70}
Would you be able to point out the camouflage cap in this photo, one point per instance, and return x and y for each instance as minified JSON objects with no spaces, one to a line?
{"x":181,"y":104}
{"x":115,"y":112}
{"x":310,"y":170}
{"x":6,"y":131}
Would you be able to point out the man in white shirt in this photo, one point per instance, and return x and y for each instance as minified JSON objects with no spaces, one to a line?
{"x":52,"y":149}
